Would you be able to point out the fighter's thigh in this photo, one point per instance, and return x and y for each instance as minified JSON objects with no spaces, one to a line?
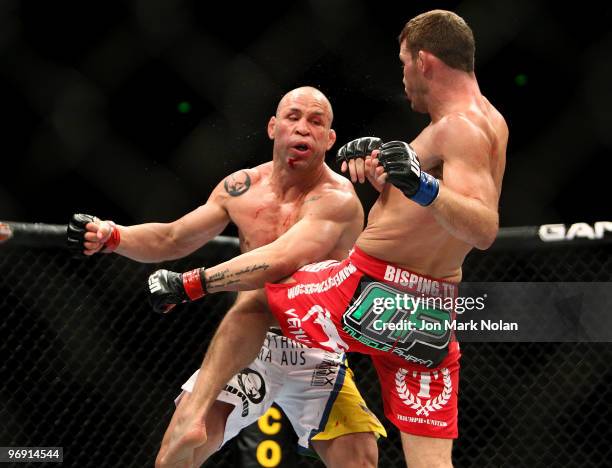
{"x":358,"y":449}
{"x":427,"y":452}
{"x":251,"y":303}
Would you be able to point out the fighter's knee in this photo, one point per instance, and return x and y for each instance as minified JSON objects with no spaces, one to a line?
{"x":426,"y":461}
{"x":160,"y":460}
{"x":430,"y":464}
{"x":357,"y":450}
{"x":368,"y":455}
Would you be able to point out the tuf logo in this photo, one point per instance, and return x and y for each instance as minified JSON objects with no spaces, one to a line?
{"x":154,"y":283}
{"x":557,"y":232}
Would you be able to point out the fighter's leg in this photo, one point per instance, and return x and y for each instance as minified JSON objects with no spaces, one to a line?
{"x":350,"y":432}
{"x":215,"y":428}
{"x":326,"y":410}
{"x":427,"y":452}
{"x":422,"y":404}
{"x":348,"y":451}
{"x":235,"y":345}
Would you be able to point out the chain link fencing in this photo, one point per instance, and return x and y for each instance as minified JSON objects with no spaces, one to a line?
{"x":87,"y":366}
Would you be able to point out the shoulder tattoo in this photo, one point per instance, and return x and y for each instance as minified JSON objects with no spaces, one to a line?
{"x":237,"y":183}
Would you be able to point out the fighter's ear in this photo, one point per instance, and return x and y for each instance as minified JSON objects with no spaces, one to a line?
{"x":421,"y":60}
{"x":271,"y":127}
{"x":425,"y":62}
{"x":332,"y":138}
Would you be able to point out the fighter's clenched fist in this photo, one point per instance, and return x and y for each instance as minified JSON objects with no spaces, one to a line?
{"x":403,"y":169}
{"x":88,"y":235}
{"x":360,"y":157}
{"x":168,"y":288}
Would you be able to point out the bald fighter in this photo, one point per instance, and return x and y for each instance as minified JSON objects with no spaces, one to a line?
{"x":297,"y":205}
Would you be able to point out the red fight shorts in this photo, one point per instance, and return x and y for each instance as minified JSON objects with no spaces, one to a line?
{"x":400,"y":318}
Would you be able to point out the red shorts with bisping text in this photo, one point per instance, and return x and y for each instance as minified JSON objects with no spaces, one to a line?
{"x":366,"y":305}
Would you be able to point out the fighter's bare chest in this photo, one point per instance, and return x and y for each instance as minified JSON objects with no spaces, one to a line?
{"x":261,"y":217}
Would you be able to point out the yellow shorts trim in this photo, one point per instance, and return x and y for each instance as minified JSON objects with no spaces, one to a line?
{"x":350,"y":414}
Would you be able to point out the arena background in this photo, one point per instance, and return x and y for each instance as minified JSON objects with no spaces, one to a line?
{"x":134,"y":110}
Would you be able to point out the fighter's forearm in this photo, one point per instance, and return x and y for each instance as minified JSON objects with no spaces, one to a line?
{"x":466,"y":218}
{"x":250,"y":270}
{"x":150,"y":242}
{"x":158,"y":242}
{"x":246,"y":272}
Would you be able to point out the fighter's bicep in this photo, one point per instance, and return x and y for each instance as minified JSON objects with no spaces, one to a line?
{"x":323,"y":221}
{"x":471,"y":180}
{"x":202,"y":224}
{"x":211,"y":216}
{"x":312,"y":239}
{"x":466,"y":155}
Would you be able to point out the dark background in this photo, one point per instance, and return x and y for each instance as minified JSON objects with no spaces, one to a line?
{"x":90,"y":95}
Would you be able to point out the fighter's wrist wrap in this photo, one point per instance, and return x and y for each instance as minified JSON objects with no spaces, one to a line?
{"x":427,"y":191}
{"x":194,"y":282}
{"x":113,"y":240}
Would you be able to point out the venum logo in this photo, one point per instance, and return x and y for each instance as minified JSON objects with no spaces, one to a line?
{"x":558,"y":232}
{"x":321,"y":317}
{"x":294,"y":324}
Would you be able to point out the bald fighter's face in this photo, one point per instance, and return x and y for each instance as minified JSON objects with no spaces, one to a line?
{"x":301,"y":128}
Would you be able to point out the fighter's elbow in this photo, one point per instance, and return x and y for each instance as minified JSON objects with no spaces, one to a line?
{"x":487,"y":235}
{"x":292,"y":259}
{"x":287,"y":265}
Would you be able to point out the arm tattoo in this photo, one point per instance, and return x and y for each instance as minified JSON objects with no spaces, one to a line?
{"x":237,"y":184}
{"x":215,"y":279}
{"x":315,"y":198}
{"x":218,"y":276}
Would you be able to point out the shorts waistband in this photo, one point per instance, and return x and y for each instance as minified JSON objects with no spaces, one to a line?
{"x":405,"y":279}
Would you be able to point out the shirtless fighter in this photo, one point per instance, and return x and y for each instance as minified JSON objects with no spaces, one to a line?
{"x":281,"y":202}
{"x":438,"y":200}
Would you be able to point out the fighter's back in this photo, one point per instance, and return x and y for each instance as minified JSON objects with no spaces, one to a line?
{"x":405,"y":233}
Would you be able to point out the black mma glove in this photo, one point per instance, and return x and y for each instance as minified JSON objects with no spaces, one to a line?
{"x":403,"y":170}
{"x":76,"y":234}
{"x":359,"y":148}
{"x":168,"y":288}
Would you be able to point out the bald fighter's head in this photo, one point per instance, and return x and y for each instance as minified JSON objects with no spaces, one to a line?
{"x":307,"y":91}
{"x":301,"y":128}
